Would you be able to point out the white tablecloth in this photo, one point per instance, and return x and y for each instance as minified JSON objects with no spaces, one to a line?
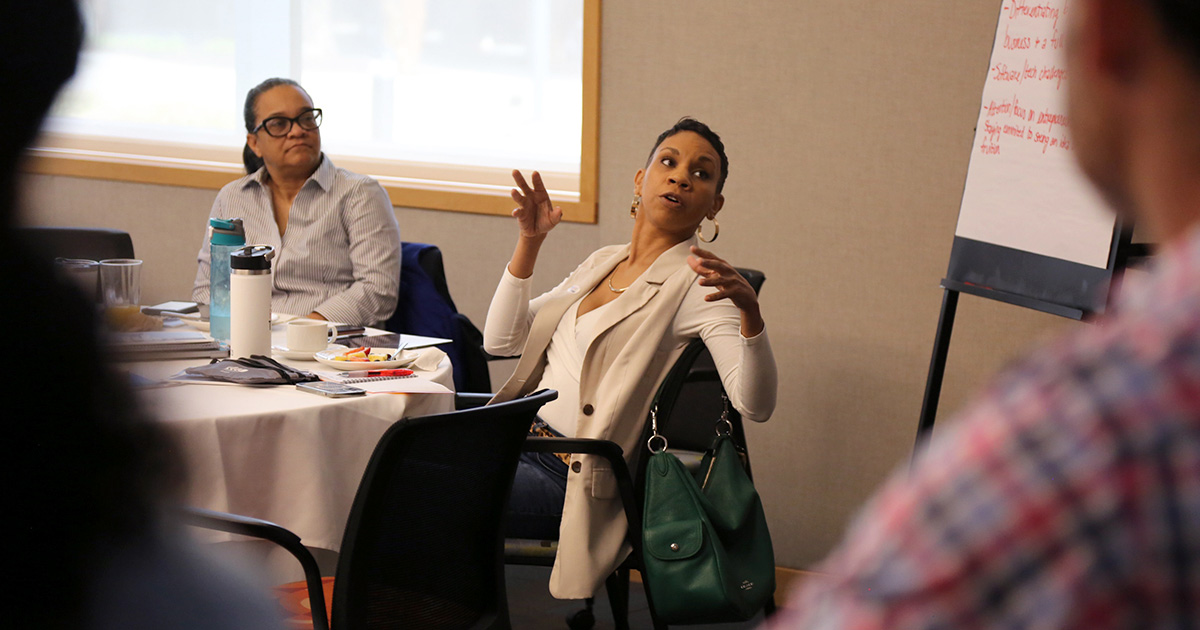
{"x":276,"y":453}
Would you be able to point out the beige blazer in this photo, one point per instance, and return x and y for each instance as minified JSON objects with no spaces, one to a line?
{"x":622,"y":368}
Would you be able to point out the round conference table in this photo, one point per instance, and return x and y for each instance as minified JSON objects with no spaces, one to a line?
{"x":277,"y":453}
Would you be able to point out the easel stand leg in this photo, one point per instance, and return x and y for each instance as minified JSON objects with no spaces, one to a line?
{"x":937,"y":368}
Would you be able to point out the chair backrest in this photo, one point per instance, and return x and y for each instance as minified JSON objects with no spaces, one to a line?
{"x":425,"y":308}
{"x":75,"y":242}
{"x":690,"y":397}
{"x":423,"y":543}
{"x":430,"y":259}
{"x":755,"y":277}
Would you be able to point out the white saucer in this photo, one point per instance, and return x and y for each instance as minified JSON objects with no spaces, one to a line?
{"x":294,"y":355}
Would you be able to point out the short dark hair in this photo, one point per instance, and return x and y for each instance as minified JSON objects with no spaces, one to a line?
{"x":249,"y":159}
{"x":1180,"y":20}
{"x":691,"y":124}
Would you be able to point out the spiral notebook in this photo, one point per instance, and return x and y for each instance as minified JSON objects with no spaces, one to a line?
{"x":345,"y":377}
{"x":414,"y":384}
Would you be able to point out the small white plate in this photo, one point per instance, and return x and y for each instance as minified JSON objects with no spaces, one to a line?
{"x":295,"y":355}
{"x":329,"y":357}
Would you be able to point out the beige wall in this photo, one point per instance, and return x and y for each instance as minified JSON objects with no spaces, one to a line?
{"x":848,"y":126}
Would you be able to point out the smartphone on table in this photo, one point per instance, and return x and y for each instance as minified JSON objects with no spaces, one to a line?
{"x":330,"y":389}
{"x":346,"y":331}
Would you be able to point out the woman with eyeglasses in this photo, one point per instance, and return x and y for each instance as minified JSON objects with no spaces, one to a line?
{"x":335,"y":234}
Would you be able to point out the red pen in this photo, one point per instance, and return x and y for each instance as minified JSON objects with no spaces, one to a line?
{"x":362,"y":373}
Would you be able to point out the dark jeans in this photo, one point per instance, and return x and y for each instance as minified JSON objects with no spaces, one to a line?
{"x":536,"y":505}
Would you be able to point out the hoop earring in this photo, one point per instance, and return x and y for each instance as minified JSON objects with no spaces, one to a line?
{"x":633,"y":207}
{"x":716,"y":231}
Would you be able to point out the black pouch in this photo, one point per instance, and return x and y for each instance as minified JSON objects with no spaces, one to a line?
{"x":253,"y":370}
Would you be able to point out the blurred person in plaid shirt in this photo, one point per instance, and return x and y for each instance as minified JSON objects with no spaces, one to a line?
{"x":1068,"y":495}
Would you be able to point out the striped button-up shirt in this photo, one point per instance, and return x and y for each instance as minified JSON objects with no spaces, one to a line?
{"x":340,"y":255}
{"x":1068,"y":496}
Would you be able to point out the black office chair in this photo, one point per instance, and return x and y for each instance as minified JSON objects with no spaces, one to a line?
{"x":76,"y":242}
{"x":426,"y":308}
{"x":699,"y":395}
{"x":689,"y":402}
{"x":423,"y":543}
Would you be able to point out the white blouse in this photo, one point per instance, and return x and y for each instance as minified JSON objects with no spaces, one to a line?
{"x":564,"y":364}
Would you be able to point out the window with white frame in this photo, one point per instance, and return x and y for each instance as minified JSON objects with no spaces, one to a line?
{"x":441,"y":96}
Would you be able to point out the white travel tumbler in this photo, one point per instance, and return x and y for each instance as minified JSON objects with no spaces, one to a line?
{"x":250,"y":301}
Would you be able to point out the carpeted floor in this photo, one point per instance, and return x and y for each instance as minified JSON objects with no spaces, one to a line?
{"x":531,"y":606}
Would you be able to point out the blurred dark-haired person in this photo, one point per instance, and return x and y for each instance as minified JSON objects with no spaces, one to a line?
{"x":1068,"y":495}
{"x":606,"y":336}
{"x":336,"y":239}
{"x":89,"y":479}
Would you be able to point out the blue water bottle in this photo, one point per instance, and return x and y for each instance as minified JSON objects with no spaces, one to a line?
{"x":227,"y":236}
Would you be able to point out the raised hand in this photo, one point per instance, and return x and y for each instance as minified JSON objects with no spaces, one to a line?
{"x":536,"y":214}
{"x":730,"y":285}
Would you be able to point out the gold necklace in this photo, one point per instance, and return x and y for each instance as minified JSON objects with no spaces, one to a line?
{"x":610,"y":284}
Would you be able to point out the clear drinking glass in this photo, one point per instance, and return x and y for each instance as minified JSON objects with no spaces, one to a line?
{"x":121,"y":287}
{"x":81,"y":272}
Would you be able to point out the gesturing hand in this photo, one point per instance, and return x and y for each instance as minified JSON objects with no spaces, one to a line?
{"x":535,"y":213}
{"x":730,"y":285}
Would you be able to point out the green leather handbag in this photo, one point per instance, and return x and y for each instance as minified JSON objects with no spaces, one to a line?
{"x":705,"y":542}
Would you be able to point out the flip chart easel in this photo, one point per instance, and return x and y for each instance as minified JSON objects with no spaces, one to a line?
{"x":1075,"y":300}
{"x":1031,"y":230}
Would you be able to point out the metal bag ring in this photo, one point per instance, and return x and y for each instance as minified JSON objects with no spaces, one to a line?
{"x":726,"y":425}
{"x":650,"y":443}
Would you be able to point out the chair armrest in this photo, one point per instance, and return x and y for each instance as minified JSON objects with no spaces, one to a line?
{"x":604,"y":448}
{"x":616,"y":458}
{"x":266,"y":530}
{"x":468,"y":400}
{"x":472,"y":400}
{"x":238,"y":524}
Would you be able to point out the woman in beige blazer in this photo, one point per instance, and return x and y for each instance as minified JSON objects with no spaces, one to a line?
{"x":607,"y":335}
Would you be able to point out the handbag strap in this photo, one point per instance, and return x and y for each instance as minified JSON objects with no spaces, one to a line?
{"x":654,"y":431}
{"x":724,"y":427}
{"x":723,"y":422}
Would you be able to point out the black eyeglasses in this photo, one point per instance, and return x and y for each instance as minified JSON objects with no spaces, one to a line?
{"x":280,"y":126}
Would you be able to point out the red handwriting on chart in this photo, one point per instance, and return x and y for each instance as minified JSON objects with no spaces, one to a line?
{"x":1027,"y":64}
{"x":1007,"y":118}
{"x":1001,"y":72}
{"x":1036,"y":10}
{"x":1050,"y":41}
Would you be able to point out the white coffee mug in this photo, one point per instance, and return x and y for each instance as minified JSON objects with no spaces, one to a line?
{"x":309,"y":335}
